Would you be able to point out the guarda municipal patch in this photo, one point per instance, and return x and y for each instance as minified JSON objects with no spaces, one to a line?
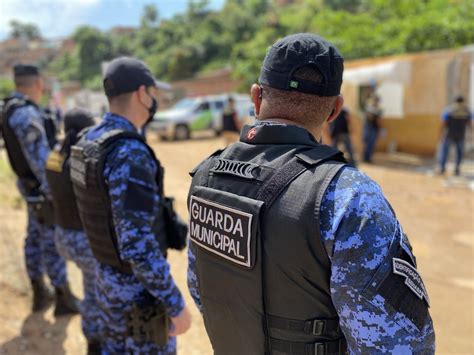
{"x":222,"y":230}
{"x":233,"y":167}
{"x":412,"y":278}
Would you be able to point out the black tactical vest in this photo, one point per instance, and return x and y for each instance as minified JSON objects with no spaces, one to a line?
{"x":16,"y":157}
{"x":66,"y":214}
{"x":262,"y":268}
{"x":458,"y":118}
{"x":87,"y":166}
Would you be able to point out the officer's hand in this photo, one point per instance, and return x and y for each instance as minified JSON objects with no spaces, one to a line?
{"x":181,"y":323}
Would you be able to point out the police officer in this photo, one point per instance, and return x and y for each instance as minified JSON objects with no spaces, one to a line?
{"x":29,"y":135}
{"x":340,"y":130}
{"x":118,"y":184}
{"x":373,"y":115}
{"x":293,"y":251}
{"x":230,"y":122}
{"x":456,"y":118}
{"x":70,"y":237}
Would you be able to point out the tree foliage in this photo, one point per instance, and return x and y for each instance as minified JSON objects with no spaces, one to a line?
{"x":239,"y":34}
{"x":24,"y":30}
{"x":6,"y":87}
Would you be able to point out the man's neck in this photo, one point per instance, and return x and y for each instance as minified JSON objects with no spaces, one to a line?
{"x":316,"y":132}
{"x":30,"y":95}
{"x":129,"y":116}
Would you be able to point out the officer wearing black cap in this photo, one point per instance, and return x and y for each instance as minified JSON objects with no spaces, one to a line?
{"x":29,"y":136}
{"x":293,"y":251}
{"x":70,"y":237}
{"x":118,"y":184}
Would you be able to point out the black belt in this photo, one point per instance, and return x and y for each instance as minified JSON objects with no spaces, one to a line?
{"x":320,"y":348}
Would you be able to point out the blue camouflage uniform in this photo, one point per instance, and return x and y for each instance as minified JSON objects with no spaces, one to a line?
{"x":357,"y":228}
{"x":40,"y":249}
{"x":151,"y":281}
{"x":73,"y":245}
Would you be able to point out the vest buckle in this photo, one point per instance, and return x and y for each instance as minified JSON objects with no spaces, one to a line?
{"x":319,"y":327}
{"x":319,"y":349}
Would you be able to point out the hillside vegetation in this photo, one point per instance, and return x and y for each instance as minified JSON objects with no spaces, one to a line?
{"x":238,"y":35}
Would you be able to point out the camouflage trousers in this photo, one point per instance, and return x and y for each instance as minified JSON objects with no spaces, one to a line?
{"x":116,"y":294}
{"x":73,"y":245}
{"x":41,"y":254}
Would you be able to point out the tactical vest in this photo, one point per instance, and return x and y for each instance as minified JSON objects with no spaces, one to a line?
{"x":66,"y":214}
{"x":458,"y":118}
{"x":16,"y":157}
{"x":87,"y":167}
{"x":262,"y":268}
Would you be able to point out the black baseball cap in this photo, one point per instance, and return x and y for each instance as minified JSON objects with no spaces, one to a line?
{"x":77,"y":119}
{"x":299,"y":50}
{"x":126,"y":74}
{"x":25,"y":70}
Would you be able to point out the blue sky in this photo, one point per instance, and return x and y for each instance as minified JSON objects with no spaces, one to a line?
{"x":59,"y":18}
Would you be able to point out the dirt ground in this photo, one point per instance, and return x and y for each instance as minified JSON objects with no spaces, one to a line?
{"x":436,"y":213}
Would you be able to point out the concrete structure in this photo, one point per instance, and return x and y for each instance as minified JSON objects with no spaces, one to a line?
{"x":414,"y":89}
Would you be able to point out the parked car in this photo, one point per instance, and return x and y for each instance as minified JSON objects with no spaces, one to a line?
{"x":203,"y":113}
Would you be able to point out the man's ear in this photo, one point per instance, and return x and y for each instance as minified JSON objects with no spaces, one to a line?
{"x":256,"y":95}
{"x":142,"y":95}
{"x":338,"y":104}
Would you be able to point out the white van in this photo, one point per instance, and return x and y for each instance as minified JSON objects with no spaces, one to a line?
{"x":196,"y":114}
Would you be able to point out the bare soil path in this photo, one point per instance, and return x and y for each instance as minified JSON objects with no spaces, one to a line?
{"x":438,"y":220}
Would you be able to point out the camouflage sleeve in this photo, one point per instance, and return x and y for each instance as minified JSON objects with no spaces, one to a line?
{"x":130,"y":175}
{"x":193,"y":284}
{"x":26,"y":122}
{"x":359,"y":231}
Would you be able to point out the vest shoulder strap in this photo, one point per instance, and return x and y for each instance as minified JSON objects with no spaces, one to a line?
{"x":303,"y":161}
{"x":112,"y":136}
{"x":107,"y":141}
{"x":12,"y":102}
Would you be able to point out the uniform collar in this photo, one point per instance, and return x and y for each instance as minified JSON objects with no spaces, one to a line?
{"x":122,"y":122}
{"x":276,"y":133}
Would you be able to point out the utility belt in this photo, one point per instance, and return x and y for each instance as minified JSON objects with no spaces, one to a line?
{"x":148,"y":324}
{"x":42,"y":208}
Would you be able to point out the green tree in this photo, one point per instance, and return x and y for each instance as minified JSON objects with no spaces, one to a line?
{"x":26,"y":30}
{"x":93,"y":47}
{"x":200,"y":39}
{"x":150,"y":16}
{"x":6,"y":87}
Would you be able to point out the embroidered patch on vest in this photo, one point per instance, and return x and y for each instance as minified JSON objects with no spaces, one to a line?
{"x":412,"y":278}
{"x":222,"y":230}
{"x":233,"y":167}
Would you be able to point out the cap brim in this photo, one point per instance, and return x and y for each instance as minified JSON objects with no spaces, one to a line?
{"x":162,"y":85}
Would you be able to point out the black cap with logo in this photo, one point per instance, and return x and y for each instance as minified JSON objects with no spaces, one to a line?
{"x":126,"y":74}
{"x":25,"y":70}
{"x":299,"y":50}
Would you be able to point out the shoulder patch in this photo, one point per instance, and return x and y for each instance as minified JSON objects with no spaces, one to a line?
{"x":234,"y":167}
{"x":222,"y":230}
{"x":412,"y":278}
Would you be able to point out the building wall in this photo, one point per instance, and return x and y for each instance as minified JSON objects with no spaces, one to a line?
{"x":431,"y":88}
